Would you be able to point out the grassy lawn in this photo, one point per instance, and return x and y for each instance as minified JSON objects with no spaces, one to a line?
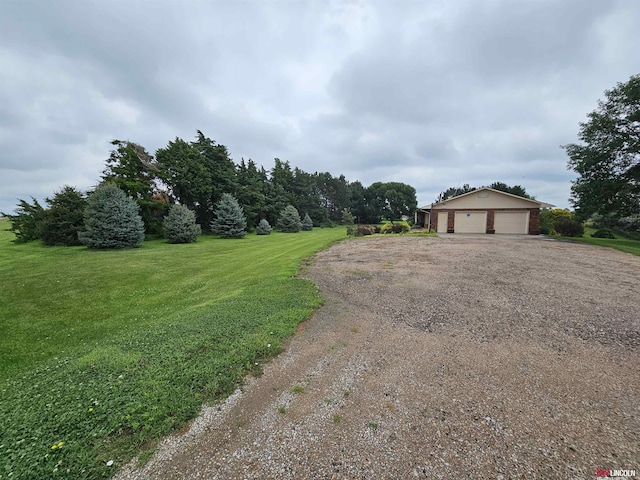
{"x":104,"y":352}
{"x":623,"y":244}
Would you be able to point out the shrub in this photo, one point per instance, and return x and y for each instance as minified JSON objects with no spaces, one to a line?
{"x":230,"y":221}
{"x":397,"y":227}
{"x":386,"y":227}
{"x":362,"y":230}
{"x":111,"y":220}
{"x":603,"y":233}
{"x":180,"y":225}
{"x":263,"y":227}
{"x":568,"y":227}
{"x":401,"y":227}
{"x":307,"y":223}
{"x":289,"y":220}
{"x":548,"y":218}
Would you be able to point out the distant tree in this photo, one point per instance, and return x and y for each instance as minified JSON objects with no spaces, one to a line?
{"x":64,"y":218}
{"x":26,"y":224}
{"x":515,"y":190}
{"x":251,"y":194}
{"x":608,"y":159}
{"x":132,"y":169}
{"x":454,"y":192}
{"x":263,"y":227}
{"x":333,"y":193}
{"x":307,"y":223}
{"x":289,"y":220}
{"x":111,"y":220}
{"x":197,"y":174}
{"x":391,"y":200}
{"x":180,"y":225}
{"x":229,"y":221}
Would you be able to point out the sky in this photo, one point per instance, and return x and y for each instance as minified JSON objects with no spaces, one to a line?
{"x":430,"y":93}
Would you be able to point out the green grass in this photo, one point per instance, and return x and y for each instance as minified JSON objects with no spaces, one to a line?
{"x":620,"y":243}
{"x":107,"y":351}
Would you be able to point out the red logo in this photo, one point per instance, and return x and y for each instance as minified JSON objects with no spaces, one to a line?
{"x":602,"y":473}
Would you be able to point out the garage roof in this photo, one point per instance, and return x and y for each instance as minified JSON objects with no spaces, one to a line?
{"x":444,"y":203}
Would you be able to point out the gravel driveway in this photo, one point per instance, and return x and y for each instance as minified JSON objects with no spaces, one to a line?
{"x":452,"y":357}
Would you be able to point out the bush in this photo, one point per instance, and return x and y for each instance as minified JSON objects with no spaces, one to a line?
{"x":263,"y":228}
{"x":398,"y":227}
{"x":111,"y":220}
{"x":568,"y":227}
{"x":603,"y":233}
{"x":289,"y":220}
{"x":230,"y":221}
{"x":180,"y":225}
{"x":362,"y":230}
{"x":548,"y":218}
{"x":307,"y":223}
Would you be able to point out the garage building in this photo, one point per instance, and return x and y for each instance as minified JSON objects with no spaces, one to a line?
{"x":485,"y":211}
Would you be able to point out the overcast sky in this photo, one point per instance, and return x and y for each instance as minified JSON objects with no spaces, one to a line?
{"x":431,"y":93}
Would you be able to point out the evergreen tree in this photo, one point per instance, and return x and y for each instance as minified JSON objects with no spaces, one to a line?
{"x":263,"y":227}
{"x":111,"y":220}
{"x":132,"y":169}
{"x":307,"y":223}
{"x":230,"y":221}
{"x":26,"y":224}
{"x":197,"y":174}
{"x":180,"y":225}
{"x":64,"y":218}
{"x":289,"y":220}
{"x":251,"y":191}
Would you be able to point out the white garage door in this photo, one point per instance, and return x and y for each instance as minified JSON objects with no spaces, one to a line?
{"x":511,"y":222}
{"x":470,"y":222}
{"x":442,"y":222}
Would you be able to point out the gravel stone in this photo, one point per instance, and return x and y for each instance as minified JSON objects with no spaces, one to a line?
{"x":462,"y":356}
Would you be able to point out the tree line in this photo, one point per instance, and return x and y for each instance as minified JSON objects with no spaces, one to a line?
{"x":196,"y":174}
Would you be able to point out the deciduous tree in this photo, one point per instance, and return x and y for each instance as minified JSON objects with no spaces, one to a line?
{"x":608,"y":158}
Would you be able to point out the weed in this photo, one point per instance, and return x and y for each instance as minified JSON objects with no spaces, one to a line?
{"x":346,"y":393}
{"x":355,"y":330}
{"x":297,"y":389}
{"x":373,"y":426}
{"x":282,"y":410}
{"x":336,"y":419}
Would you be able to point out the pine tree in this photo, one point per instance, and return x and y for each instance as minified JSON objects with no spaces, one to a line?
{"x":64,"y":218}
{"x":230,"y":221}
{"x":289,"y":220}
{"x":111,"y":220}
{"x":263,"y":227}
{"x":180,"y":225}
{"x":307,"y":223}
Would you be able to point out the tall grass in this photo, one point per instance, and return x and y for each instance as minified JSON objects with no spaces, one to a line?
{"x":103,"y":352}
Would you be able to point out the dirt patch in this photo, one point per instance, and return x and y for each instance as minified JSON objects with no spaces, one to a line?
{"x":450,"y":357}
